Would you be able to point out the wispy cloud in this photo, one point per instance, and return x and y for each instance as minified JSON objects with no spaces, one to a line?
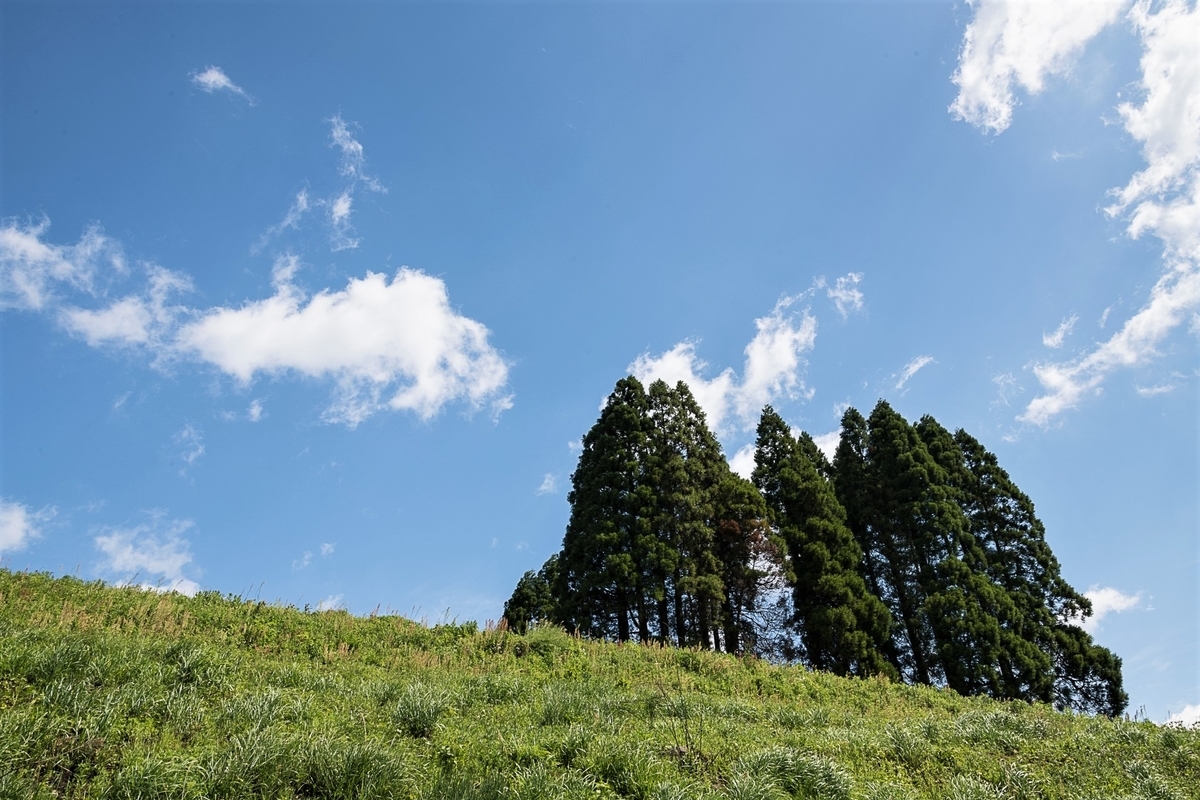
{"x":214,"y":79}
{"x":912,"y":368}
{"x":773,"y":369}
{"x":255,"y":412}
{"x":353,"y":161}
{"x":19,"y":524}
{"x":1055,"y":340}
{"x":153,"y":554}
{"x":191,"y":441}
{"x":303,"y":561}
{"x":331,"y":603}
{"x":1011,"y":42}
{"x":327,"y":549}
{"x":33,"y":271}
{"x":1014,"y":43}
{"x":846,"y":295}
{"x":549,"y":484}
{"x":291,"y":220}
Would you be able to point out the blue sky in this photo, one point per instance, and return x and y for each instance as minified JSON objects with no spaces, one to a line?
{"x":312,"y":303}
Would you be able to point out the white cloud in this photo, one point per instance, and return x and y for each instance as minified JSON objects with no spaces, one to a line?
{"x":828,"y":443}
{"x":339,"y":219}
{"x":1106,"y":600}
{"x":154,"y":553}
{"x":19,"y":525}
{"x":291,"y":219}
{"x":354,"y":158}
{"x":773,"y":369}
{"x":1007,"y":388}
{"x":1020,"y":43}
{"x":327,"y":549}
{"x":575,"y":446}
{"x":387,"y":344}
{"x":1055,"y":340}
{"x":549,"y":485}
{"x":1066,"y":384}
{"x":303,"y":561}
{"x":255,"y":412}
{"x":1154,"y":391}
{"x":742,"y":462}
{"x":845,"y":294}
{"x":214,"y":79}
{"x":138,"y":319}
{"x":1189,"y":717}
{"x":384,"y":343}
{"x":192,"y":440}
{"x":912,"y":368}
{"x":31,"y":269}
{"x":331,"y":603}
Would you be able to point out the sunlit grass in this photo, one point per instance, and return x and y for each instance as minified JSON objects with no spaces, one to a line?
{"x":120,"y":693}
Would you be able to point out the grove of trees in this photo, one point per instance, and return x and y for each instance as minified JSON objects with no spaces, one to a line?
{"x":912,"y":554}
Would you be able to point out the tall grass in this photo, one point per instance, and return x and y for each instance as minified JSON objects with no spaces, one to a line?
{"x":119,"y":693}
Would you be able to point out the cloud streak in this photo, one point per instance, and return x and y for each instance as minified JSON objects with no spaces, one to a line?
{"x":773,"y":369}
{"x":213,"y":79}
{"x":912,"y":368}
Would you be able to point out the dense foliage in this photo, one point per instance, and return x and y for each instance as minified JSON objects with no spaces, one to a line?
{"x":123,"y":693}
{"x":912,"y":555}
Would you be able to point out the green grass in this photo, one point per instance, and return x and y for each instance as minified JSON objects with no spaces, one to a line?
{"x":121,"y":693}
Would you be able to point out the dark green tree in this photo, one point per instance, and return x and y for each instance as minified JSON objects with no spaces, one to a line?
{"x":532,"y":601}
{"x":841,"y":624}
{"x":604,"y":563}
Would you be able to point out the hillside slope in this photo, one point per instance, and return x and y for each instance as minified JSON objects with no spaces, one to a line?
{"x":124,"y":693}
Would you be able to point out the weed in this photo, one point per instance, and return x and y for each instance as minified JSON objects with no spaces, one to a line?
{"x":418,"y":710}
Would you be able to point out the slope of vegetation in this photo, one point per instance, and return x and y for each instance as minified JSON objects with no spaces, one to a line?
{"x":123,"y":693}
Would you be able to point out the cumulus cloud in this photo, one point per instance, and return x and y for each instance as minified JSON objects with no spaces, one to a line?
{"x":214,"y":79}
{"x":1055,"y":340}
{"x":33,"y":271}
{"x":846,"y":295}
{"x":742,"y":462}
{"x":1106,"y":600}
{"x":912,"y":368}
{"x":773,"y":369}
{"x":255,"y":412}
{"x":385,"y":343}
{"x":1021,"y":43}
{"x":1014,"y":43}
{"x":549,"y":485}
{"x":152,"y":555}
{"x":828,"y":443}
{"x":1189,"y":717}
{"x":19,"y":525}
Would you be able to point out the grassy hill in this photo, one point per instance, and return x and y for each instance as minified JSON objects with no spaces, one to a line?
{"x":123,"y":693}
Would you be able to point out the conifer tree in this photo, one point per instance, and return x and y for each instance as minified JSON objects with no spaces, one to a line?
{"x":841,"y":624}
{"x":600,"y":584}
{"x":532,"y":601}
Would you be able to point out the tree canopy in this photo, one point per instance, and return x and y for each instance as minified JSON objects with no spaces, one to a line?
{"x":912,"y":554}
